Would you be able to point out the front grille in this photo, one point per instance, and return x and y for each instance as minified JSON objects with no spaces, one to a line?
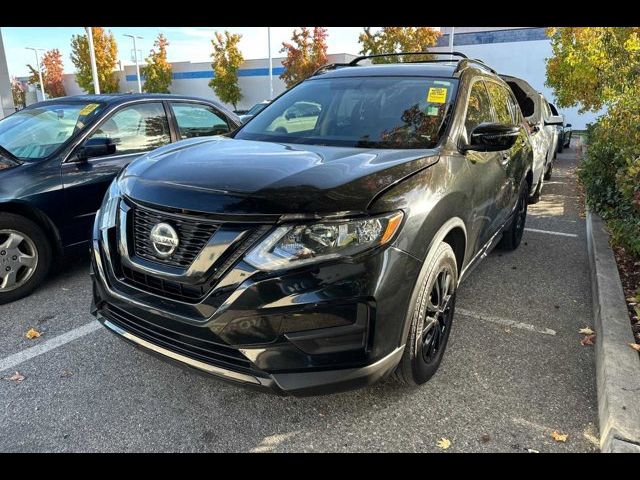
{"x":192,"y":345}
{"x":164,"y":288}
{"x":193,"y":235}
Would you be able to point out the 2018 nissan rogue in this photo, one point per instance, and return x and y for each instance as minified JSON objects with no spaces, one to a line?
{"x":321,"y":251}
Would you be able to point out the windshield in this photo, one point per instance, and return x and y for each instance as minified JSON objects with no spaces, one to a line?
{"x":370,"y":112}
{"x":35,"y":132}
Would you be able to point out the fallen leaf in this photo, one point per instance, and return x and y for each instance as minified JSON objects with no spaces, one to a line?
{"x":531,"y":450}
{"x":16,"y":377}
{"x":485,"y":438}
{"x":32,"y":333}
{"x":588,"y":340}
{"x":559,"y":437}
{"x":66,"y":373}
{"x":635,"y":346}
{"x":586,"y":331}
{"x":507,"y":330}
{"x":443,"y":443}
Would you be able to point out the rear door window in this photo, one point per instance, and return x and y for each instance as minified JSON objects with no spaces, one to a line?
{"x":198,"y":120}
{"x":501,"y":99}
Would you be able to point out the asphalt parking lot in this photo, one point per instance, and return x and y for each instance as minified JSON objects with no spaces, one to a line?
{"x":514,"y":370}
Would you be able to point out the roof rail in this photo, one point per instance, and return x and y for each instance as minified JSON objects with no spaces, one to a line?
{"x":330,"y":66}
{"x":466,"y":61}
{"x":356,"y":60}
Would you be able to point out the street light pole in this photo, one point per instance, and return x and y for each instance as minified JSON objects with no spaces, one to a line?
{"x":94,"y":68}
{"x":135,"y":55}
{"x":44,"y":96}
{"x":270,"y":65}
{"x":451,"y":34}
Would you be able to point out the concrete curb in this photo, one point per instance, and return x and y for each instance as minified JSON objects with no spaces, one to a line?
{"x":617,"y":365}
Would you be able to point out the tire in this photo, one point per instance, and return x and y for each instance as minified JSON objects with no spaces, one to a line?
{"x":424,"y":350}
{"x":535,"y":198}
{"x":512,"y":236}
{"x":25,"y":257}
{"x":547,"y":174}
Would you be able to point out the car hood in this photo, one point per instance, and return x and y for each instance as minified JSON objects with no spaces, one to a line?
{"x":222,"y":175}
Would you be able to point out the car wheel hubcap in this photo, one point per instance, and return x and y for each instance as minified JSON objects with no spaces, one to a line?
{"x":18,"y":259}
{"x":439,"y":310}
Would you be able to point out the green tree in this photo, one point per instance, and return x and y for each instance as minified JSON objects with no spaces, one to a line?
{"x":52,"y":70}
{"x":226,"y":63}
{"x":305,"y":54}
{"x":157,"y":72}
{"x":398,"y":40}
{"x":106,"y":52}
{"x":592,"y":68}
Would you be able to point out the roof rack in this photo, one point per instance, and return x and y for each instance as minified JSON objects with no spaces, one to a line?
{"x":356,"y":60}
{"x":462,"y":63}
{"x":330,"y":66}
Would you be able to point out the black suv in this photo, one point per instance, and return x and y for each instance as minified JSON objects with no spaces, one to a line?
{"x":318,"y":253}
{"x":57,"y":159}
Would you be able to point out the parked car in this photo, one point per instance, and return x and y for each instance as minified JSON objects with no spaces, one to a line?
{"x":59,"y":156}
{"x":249,"y":114}
{"x":564,"y":131}
{"x":542,"y":128}
{"x":324,"y":257}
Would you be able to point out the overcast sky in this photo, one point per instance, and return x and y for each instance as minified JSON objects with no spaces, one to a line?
{"x":185,"y":43}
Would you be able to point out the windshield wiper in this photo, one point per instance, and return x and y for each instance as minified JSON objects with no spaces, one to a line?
{"x":10,"y":156}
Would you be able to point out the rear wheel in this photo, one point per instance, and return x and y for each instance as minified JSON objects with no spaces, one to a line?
{"x":431,"y":317}
{"x":25,"y":257}
{"x":512,"y":236}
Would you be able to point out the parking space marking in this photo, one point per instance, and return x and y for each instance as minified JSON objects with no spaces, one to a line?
{"x":550,"y":232}
{"x":505,"y":322}
{"x":24,"y":355}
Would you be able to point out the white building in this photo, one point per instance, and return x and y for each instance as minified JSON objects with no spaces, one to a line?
{"x":517,"y":51}
{"x":193,"y":79}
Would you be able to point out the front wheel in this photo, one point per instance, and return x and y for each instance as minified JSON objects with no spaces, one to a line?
{"x":512,"y":236}
{"x":431,"y":316}
{"x":25,"y":257}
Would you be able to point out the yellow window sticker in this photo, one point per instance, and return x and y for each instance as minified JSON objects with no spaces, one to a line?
{"x":88,"y":109}
{"x":437,"y":95}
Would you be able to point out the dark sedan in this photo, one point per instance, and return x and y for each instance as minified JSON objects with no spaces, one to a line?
{"x":57,"y":159}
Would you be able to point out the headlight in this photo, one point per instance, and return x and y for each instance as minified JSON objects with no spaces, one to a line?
{"x":106,"y":216}
{"x":296,"y":245}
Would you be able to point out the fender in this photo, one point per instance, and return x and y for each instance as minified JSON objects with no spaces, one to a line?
{"x":440,"y":235}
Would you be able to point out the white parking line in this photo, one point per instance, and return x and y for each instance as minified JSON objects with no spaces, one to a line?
{"x":505,"y":322}
{"x":551,"y":232}
{"x":20,"y":357}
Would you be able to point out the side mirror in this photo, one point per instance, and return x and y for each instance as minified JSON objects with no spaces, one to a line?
{"x":568,"y":125}
{"x":554,"y":120}
{"x":95,"y":147}
{"x":492,"y":137}
{"x":289,"y":115}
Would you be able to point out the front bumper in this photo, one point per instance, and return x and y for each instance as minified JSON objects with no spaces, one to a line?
{"x":253,"y":332}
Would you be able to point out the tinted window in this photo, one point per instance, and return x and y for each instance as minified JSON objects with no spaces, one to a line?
{"x":136,"y":128}
{"x":368,"y":112}
{"x":36,"y":132}
{"x":196,"y":120}
{"x":479,"y":107}
{"x":501,"y":99}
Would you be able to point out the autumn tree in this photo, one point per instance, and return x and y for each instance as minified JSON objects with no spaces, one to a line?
{"x":18,"y":93}
{"x":595,"y":68}
{"x":157,"y":72}
{"x":305,"y":54}
{"x":52,"y":70}
{"x":398,"y":40}
{"x":106,"y":52}
{"x":227,"y":59}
